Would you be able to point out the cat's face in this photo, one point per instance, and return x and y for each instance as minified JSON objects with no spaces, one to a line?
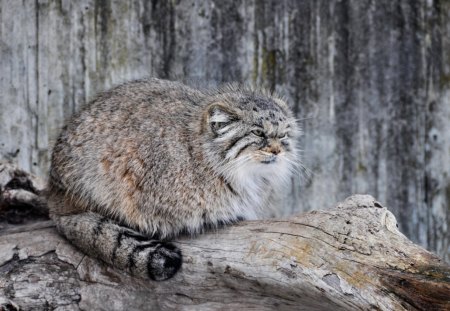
{"x":253,"y":135}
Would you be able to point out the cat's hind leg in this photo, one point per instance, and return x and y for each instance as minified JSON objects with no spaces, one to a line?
{"x":120,"y":246}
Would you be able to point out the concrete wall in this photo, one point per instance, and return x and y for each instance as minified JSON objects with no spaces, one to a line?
{"x":369,"y":80}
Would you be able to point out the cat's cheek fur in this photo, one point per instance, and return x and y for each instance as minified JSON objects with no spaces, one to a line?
{"x":255,"y":181}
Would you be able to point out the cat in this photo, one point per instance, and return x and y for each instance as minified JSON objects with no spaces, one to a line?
{"x":151,"y":159}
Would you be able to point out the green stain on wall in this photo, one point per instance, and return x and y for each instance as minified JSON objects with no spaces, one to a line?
{"x":445,"y":80}
{"x":269,"y":68}
{"x":361,"y":167}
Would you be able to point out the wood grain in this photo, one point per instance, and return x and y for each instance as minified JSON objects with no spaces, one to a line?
{"x":348,"y":258}
{"x":368,"y":79}
{"x":351,"y":257}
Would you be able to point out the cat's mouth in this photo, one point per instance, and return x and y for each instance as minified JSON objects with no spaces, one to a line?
{"x":269,"y":159}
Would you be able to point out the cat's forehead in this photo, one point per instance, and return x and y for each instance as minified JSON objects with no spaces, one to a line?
{"x":258,"y":108}
{"x":261,"y":104}
{"x":264,"y":111}
{"x":269,"y":118}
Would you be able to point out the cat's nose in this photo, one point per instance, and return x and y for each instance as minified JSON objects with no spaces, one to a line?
{"x":275,"y":149}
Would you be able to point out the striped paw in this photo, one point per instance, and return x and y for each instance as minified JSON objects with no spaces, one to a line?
{"x":164,"y":262}
{"x":153,"y":259}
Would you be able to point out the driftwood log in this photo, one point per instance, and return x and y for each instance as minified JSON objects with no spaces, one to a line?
{"x":351,"y":257}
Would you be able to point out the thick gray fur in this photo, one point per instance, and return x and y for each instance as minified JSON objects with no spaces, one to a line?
{"x":161,"y":158}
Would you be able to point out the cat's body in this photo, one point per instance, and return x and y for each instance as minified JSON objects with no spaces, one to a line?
{"x":163,"y":158}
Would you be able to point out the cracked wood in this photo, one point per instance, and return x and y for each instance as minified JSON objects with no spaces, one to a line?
{"x":348,"y":258}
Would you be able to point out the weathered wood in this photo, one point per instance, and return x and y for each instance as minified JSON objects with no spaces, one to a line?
{"x":21,"y":199}
{"x":349,"y":258}
{"x":369,"y":79}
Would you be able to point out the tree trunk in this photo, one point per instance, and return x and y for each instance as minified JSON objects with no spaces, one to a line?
{"x":351,"y":257}
{"x":370,"y":81}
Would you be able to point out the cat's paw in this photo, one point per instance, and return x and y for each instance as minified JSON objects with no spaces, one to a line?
{"x":164,"y":261}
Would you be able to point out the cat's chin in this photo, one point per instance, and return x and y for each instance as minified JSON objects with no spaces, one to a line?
{"x":277,"y":171}
{"x":269,"y":167}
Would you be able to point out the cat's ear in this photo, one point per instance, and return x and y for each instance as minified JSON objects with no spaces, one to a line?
{"x":220,"y":116}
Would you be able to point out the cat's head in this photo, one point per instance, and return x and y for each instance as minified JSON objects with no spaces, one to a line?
{"x":250,"y":134}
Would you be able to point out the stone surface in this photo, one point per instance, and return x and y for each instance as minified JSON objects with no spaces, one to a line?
{"x":368,"y":80}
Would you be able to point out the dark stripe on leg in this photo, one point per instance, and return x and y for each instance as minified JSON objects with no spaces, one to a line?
{"x":98,"y":229}
{"x":131,"y":235}
{"x":150,"y":272}
{"x":118,"y":243}
{"x":135,"y":235}
{"x":131,"y":263}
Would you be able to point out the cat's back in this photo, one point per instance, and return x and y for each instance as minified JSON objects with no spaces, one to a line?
{"x":125,"y":130}
{"x":133,"y":111}
{"x":136,"y":104}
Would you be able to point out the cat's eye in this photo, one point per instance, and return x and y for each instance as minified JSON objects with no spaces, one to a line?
{"x":284,"y":136}
{"x":258,"y":132}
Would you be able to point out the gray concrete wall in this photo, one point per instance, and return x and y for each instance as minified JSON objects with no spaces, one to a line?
{"x":369,"y":80}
